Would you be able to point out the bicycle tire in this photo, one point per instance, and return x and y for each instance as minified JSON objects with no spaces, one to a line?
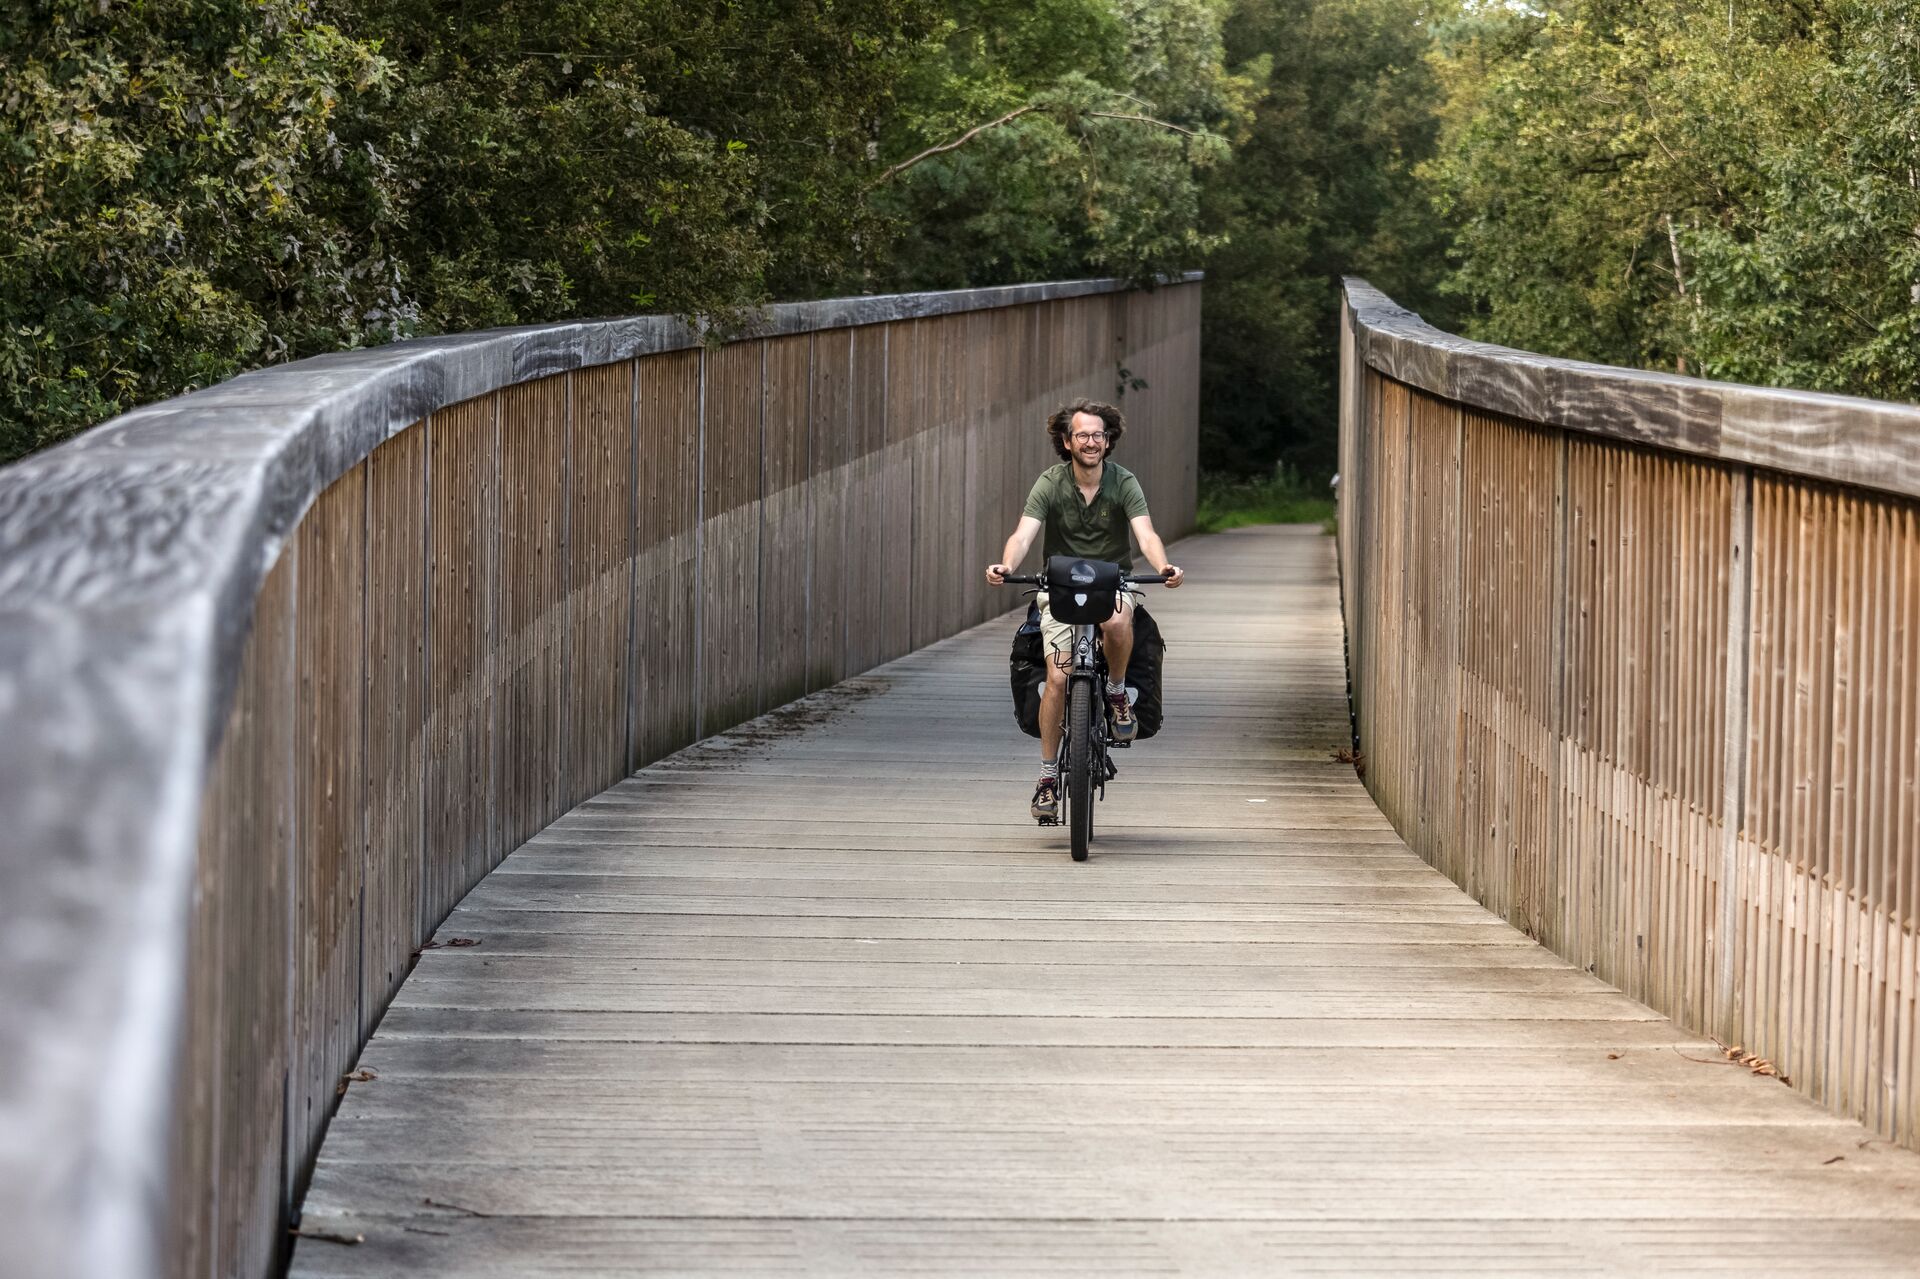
{"x":1080,"y":767}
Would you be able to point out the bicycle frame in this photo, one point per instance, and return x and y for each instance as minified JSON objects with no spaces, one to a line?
{"x":1088,"y":665}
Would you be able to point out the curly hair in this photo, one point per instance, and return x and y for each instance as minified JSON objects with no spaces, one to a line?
{"x":1060,"y":425}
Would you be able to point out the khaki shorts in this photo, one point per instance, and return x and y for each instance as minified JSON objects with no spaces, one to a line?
{"x":1059,"y":635}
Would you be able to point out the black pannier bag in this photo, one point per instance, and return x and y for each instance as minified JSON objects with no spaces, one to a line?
{"x":1143,"y":672}
{"x":1081,"y":591}
{"x":1027,"y":666}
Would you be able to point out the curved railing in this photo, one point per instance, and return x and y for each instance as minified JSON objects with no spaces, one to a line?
{"x":1636,"y":661}
{"x":288,"y":664}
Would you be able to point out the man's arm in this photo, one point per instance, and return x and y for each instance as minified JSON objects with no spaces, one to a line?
{"x":1151,"y":547}
{"x":1016,"y":549}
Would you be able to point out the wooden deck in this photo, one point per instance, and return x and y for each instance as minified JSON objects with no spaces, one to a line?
{"x":818,"y":996}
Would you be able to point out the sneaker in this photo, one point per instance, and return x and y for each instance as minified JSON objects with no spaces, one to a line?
{"x":1046,"y":800}
{"x":1120,"y":711}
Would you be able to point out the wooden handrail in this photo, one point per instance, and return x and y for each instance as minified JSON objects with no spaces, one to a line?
{"x":1635,"y":659}
{"x":289,"y":663}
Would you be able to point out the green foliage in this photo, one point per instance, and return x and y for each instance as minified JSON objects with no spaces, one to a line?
{"x":161,"y":219}
{"x":1100,"y":116}
{"x":1280,"y":497}
{"x":610,"y":156}
{"x":1671,"y":183}
{"x":194,"y":187}
{"x":1320,"y":185}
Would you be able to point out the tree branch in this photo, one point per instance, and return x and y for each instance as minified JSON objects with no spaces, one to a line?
{"x":1143,"y":119}
{"x":1009,"y":118}
{"x":960,"y":141}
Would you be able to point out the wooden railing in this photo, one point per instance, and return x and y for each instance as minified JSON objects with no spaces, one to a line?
{"x":1636,"y":661}
{"x":287,"y":665}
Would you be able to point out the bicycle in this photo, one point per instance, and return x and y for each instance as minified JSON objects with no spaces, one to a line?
{"x":1083,"y":594}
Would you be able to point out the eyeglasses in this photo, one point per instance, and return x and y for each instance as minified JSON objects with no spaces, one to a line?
{"x":1089,"y":437}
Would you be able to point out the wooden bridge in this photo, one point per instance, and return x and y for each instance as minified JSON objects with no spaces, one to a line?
{"x":583,"y":757}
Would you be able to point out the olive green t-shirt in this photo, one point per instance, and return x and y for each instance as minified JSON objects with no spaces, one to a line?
{"x":1095,"y":530}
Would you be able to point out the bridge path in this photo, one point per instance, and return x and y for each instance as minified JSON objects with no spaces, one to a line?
{"x":817,"y":996}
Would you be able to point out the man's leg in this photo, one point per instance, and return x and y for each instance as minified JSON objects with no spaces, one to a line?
{"x":1116,"y":641}
{"x":1053,"y":701}
{"x":1054,"y":645}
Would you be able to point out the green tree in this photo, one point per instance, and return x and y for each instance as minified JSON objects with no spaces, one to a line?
{"x":195,"y":187}
{"x":1680,"y":184}
{"x":1321,"y":184}
{"x":611,"y":156}
{"x":1054,"y":139}
{"x":158,"y":228}
{"x":1815,"y":282}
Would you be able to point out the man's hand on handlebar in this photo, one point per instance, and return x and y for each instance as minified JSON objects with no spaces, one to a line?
{"x":997,"y":573}
{"x":1174,"y":575}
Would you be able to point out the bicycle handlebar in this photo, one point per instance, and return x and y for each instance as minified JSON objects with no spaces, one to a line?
{"x":1035,"y":579}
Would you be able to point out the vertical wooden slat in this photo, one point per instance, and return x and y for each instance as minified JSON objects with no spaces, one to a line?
{"x":905,"y":406}
{"x":784,"y":450}
{"x":228,"y":1160}
{"x":729,"y":584}
{"x":329,"y":806}
{"x":599,"y":578}
{"x":532,"y":604}
{"x":396,"y":714}
{"x":665,"y":680}
{"x":869,"y":550}
{"x":830,"y":509}
{"x":462,"y":839}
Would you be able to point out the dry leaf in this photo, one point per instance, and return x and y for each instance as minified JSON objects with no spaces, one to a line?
{"x":359,"y":1076}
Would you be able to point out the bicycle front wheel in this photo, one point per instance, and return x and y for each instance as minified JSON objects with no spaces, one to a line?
{"x":1080,"y":766}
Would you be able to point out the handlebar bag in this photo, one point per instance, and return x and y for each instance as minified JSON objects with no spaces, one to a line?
{"x":1080,"y":591}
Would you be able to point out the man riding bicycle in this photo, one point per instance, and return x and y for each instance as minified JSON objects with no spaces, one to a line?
{"x":1086,"y":503}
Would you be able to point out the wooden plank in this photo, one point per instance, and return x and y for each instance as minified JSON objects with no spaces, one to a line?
{"x":747,"y":1009}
